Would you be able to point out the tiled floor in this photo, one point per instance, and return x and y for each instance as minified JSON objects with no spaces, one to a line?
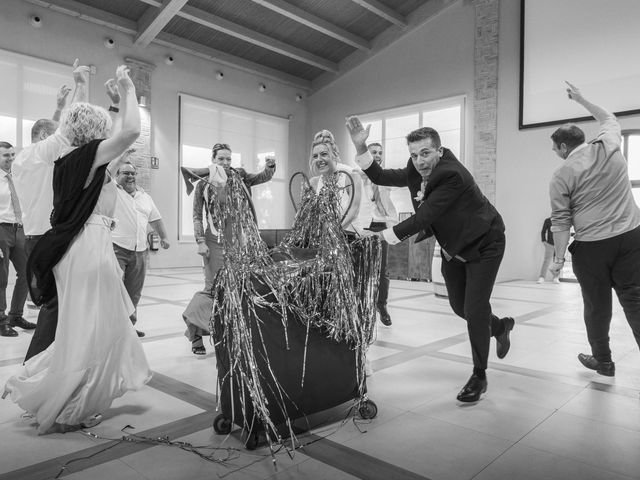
{"x":543,"y":417}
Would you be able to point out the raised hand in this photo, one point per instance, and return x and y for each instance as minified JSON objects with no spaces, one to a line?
{"x":573,"y":92}
{"x":270,"y":161}
{"x":124,"y":80}
{"x":80,"y":73}
{"x":61,"y":99}
{"x":217,"y":175}
{"x":112,"y":91}
{"x":358,"y":133}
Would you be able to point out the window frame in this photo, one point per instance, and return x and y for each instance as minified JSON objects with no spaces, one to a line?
{"x":419,"y":108}
{"x":625,"y":150}
{"x":22,"y":61}
{"x":280,"y":177}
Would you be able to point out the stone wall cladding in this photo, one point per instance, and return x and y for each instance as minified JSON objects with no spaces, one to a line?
{"x":485,"y":102}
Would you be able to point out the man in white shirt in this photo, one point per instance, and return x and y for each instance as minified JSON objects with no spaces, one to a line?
{"x":11,"y":248}
{"x":384,"y":215}
{"x":135,"y":212}
{"x":33,"y":176}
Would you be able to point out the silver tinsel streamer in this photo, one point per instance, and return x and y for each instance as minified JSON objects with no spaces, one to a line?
{"x":329,"y":285}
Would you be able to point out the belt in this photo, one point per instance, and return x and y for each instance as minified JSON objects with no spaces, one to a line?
{"x":13,"y":225}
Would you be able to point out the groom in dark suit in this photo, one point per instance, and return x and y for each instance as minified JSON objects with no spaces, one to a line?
{"x":470,"y":231}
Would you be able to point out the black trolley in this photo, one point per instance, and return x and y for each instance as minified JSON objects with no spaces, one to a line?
{"x":330,"y":370}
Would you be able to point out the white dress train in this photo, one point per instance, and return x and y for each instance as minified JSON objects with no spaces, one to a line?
{"x":97,"y":355}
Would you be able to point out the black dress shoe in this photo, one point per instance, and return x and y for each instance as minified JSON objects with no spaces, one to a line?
{"x":7,"y":331}
{"x":22,"y":323}
{"x":385,"y":318}
{"x":140,"y":334}
{"x":503,"y":342}
{"x":473,"y":389}
{"x":607,"y":369}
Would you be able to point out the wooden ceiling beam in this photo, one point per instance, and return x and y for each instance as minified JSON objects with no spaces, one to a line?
{"x":327,"y":28}
{"x":202,"y":51}
{"x":214,"y":22}
{"x":251,"y":36}
{"x":124,"y":25}
{"x":383,"y":11}
{"x":153,"y":20}
{"x":90,"y":14}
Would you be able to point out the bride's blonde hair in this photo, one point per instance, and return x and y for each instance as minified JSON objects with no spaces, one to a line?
{"x":323,"y":137}
{"x":83,"y":122}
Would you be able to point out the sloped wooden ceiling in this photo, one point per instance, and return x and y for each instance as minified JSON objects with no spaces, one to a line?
{"x":304,"y":43}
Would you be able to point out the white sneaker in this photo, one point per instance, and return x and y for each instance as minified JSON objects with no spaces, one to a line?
{"x":556,"y":280}
{"x":91,"y":421}
{"x":541,"y":280}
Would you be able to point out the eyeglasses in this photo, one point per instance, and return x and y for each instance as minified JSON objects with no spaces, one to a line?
{"x":133,"y":174}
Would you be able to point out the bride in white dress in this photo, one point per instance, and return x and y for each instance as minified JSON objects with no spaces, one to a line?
{"x":324,"y":163}
{"x":96,"y":356}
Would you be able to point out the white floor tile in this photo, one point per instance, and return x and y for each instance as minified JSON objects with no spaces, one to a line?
{"x":543,"y":417}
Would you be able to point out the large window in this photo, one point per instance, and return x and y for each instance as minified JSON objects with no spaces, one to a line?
{"x":252,"y":136}
{"x":29,"y":87}
{"x":631,"y":151}
{"x":390,"y":127}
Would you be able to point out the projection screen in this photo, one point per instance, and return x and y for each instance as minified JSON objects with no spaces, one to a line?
{"x":594,"y":44}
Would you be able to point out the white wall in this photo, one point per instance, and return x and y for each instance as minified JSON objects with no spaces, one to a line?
{"x":433,"y":62}
{"x":62,"y":38}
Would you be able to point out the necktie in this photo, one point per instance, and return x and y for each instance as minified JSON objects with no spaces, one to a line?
{"x":15,"y":203}
{"x":377,"y":199}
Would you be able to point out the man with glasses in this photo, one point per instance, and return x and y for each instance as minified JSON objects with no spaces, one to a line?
{"x":135,"y":212}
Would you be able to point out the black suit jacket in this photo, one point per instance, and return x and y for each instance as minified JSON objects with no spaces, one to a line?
{"x":453,"y":208}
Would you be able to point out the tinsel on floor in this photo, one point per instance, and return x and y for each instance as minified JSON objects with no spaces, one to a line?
{"x":314,"y":277}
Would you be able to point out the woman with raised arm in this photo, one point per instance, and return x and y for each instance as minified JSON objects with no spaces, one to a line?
{"x":324,"y":166}
{"x":96,"y":356}
{"x":208,"y":233}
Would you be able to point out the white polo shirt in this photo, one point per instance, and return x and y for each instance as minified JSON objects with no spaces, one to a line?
{"x":32,"y":172}
{"x":133,"y":214}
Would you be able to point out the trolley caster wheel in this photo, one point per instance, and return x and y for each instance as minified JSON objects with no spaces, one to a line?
{"x":250,"y":439}
{"x":368,"y":409}
{"x":222,"y":425}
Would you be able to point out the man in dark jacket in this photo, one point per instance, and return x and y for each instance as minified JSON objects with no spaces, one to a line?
{"x":470,"y":231}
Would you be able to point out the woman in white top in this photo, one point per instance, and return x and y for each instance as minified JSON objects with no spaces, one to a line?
{"x":325,"y":162}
